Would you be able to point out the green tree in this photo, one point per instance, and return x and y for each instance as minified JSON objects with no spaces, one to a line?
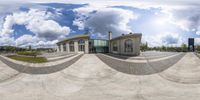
{"x":163,"y":48}
{"x":198,"y":48}
{"x":184,"y":47}
{"x":144,"y":47}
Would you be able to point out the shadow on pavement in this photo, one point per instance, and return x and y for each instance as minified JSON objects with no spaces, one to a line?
{"x":139,"y":68}
{"x":40,"y":70}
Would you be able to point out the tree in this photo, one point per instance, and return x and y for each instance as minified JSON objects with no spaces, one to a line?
{"x":144,"y":47}
{"x":184,"y":47}
{"x":198,"y":48}
{"x":163,"y":48}
{"x":29,"y":48}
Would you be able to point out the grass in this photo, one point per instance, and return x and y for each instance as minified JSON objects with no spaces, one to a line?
{"x":29,"y":59}
{"x":29,"y":53}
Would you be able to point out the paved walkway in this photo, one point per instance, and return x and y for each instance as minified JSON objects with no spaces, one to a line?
{"x":187,"y":70}
{"x":60,"y":57}
{"x":135,"y":68}
{"x":144,"y":55}
{"x":7,"y":73}
{"x":91,"y":79}
{"x":39,"y":70}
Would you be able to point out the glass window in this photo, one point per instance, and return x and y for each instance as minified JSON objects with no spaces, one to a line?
{"x":59,"y":47}
{"x":128,"y":45}
{"x":115,"y":46}
{"x":71,"y":46}
{"x":64,"y":47}
{"x":81,"y":45}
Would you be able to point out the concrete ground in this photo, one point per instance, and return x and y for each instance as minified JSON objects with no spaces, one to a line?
{"x":90,"y":78}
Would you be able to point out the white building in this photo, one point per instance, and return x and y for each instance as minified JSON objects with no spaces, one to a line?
{"x":126,"y":44}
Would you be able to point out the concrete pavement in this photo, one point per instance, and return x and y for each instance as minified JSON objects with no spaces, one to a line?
{"x":91,"y":79}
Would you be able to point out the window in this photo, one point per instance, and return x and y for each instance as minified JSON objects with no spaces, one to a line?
{"x":59,"y":47}
{"x":81,"y":45}
{"x":128,"y":45}
{"x":71,"y":46}
{"x":64,"y":47}
{"x":115,"y":46}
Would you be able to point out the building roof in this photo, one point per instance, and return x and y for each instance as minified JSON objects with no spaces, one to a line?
{"x":75,"y":37}
{"x":127,"y":35}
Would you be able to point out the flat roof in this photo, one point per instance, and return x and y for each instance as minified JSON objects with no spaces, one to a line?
{"x":75,"y":37}
{"x":128,"y":35}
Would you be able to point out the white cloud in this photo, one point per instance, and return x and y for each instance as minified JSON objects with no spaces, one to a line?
{"x":26,"y":39}
{"x":133,"y":3}
{"x":34,"y":41}
{"x":79,"y":22}
{"x":187,"y":18}
{"x":167,"y":39}
{"x":7,"y":41}
{"x":48,"y":29}
{"x":36,"y":21}
{"x":183,"y":13}
{"x":107,"y":19}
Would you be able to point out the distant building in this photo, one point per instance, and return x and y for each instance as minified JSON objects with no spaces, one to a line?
{"x":190,"y":44}
{"x":127,"y":44}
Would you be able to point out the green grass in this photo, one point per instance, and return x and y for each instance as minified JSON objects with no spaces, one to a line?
{"x":29,"y":53}
{"x":28,"y":59}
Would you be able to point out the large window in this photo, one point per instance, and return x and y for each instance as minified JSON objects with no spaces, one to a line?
{"x":64,"y":47}
{"x":71,"y":46}
{"x":128,"y":45}
{"x":59,"y":47}
{"x":115,"y":46}
{"x":81,"y":45}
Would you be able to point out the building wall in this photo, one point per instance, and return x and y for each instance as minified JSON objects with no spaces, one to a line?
{"x":121,"y":46}
{"x":120,"y":42}
{"x":76,"y":46}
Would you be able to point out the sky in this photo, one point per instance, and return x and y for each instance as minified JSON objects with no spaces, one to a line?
{"x":42,"y":23}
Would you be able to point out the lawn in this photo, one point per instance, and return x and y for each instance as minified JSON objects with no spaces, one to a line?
{"x":29,"y":59}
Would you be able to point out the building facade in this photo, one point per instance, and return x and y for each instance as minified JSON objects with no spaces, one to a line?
{"x":191,"y":44}
{"x":77,"y":44}
{"x":126,"y":44}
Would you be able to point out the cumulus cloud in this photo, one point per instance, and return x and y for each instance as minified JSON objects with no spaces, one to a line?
{"x":101,"y":18}
{"x":48,"y":29}
{"x":26,"y":39}
{"x":167,"y":39}
{"x":37,"y":22}
{"x":7,"y":41}
{"x":187,"y":18}
{"x":34,"y":41}
{"x":108,"y":19}
{"x":170,"y":39}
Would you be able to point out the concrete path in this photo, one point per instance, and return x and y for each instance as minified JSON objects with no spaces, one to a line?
{"x":43,"y":68}
{"x":145,"y":55}
{"x":91,"y":79}
{"x":187,"y":70}
{"x":7,"y":73}
{"x":60,"y":57}
{"x":145,"y":67}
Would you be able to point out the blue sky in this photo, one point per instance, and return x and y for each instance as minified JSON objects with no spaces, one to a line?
{"x":43,"y":23}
